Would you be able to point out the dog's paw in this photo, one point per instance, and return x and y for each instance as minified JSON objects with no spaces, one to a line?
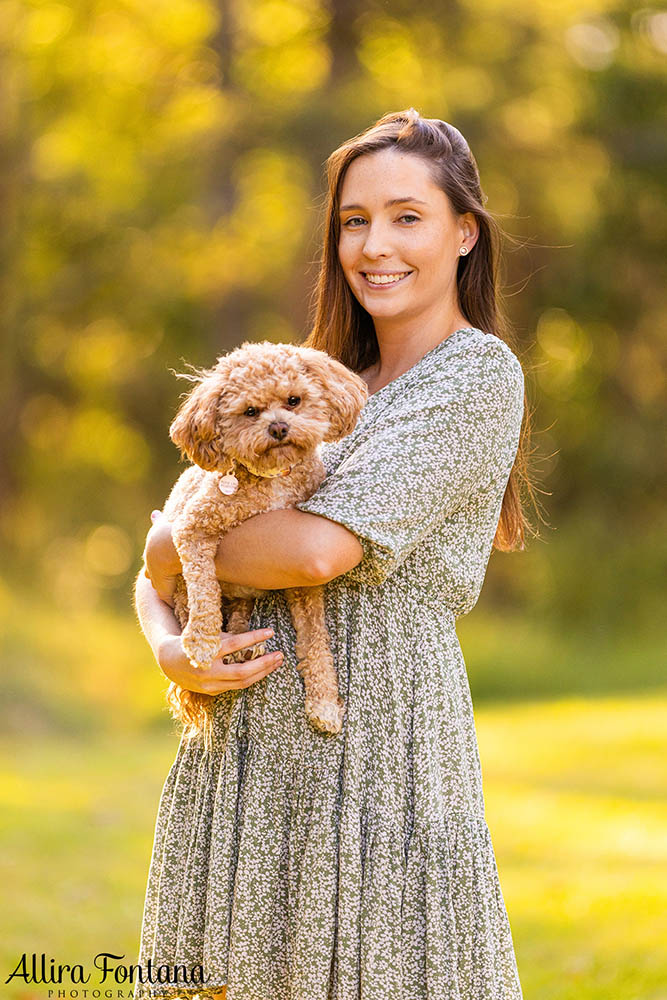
{"x":200,"y":650}
{"x":243,"y":655}
{"x":325,"y":714}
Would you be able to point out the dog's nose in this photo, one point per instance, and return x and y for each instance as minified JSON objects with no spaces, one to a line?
{"x":278,"y":429}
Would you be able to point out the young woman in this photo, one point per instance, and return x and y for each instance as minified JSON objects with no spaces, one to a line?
{"x":297,"y":865}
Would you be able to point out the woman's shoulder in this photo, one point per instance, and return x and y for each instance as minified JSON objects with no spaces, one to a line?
{"x":475,"y":355}
{"x":505,"y":358}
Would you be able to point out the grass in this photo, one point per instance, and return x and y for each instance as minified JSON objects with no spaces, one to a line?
{"x":76,"y":830}
{"x":573,"y":747}
{"x":575,"y":799}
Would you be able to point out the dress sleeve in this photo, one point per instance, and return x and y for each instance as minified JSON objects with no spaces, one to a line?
{"x":450,"y":434}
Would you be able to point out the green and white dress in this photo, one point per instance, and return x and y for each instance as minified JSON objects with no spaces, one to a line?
{"x":299,"y":865}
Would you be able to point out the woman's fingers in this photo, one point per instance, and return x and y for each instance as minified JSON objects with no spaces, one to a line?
{"x":245,"y":674}
{"x":231,"y":642}
{"x":230,"y":676}
{"x":219,"y":676}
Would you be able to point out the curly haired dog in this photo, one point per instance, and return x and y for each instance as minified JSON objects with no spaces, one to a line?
{"x":252,"y":426}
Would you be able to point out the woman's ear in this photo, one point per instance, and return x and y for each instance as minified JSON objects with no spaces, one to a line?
{"x":195,"y":428}
{"x":344,"y":391}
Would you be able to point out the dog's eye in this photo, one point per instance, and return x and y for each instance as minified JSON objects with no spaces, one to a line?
{"x":252,"y":411}
{"x":293,"y":400}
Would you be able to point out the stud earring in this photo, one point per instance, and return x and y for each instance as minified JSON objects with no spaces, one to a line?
{"x":463,"y":251}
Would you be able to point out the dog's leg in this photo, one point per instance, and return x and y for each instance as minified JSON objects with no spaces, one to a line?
{"x":315,"y":663}
{"x":240,"y":610}
{"x":181,"y":602}
{"x":201,"y":636}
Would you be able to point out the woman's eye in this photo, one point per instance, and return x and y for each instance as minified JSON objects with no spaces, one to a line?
{"x":357,"y":218}
{"x":252,"y":411}
{"x":293,"y":400}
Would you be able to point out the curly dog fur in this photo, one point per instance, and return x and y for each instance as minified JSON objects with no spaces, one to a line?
{"x":258,"y":415}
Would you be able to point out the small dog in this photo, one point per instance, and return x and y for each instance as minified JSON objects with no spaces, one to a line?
{"x":252,"y":426}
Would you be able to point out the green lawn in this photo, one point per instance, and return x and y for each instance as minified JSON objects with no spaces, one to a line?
{"x":576,"y":804}
{"x":575,"y":796}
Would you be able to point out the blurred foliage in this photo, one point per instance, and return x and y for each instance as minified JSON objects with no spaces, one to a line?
{"x":162,"y":182}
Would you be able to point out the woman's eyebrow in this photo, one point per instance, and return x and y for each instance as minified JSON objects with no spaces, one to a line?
{"x":387,"y":204}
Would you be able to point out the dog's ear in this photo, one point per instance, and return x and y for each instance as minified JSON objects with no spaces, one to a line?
{"x":194,"y":428}
{"x":344,"y":391}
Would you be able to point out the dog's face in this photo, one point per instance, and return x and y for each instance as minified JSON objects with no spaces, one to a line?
{"x":266,"y":406}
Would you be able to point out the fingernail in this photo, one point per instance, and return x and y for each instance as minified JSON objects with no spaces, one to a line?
{"x":155,"y":514}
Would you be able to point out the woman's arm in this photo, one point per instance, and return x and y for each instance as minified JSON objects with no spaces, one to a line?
{"x":157,"y":620}
{"x":286,"y":548}
{"x":163,"y":634}
{"x":270,"y":551}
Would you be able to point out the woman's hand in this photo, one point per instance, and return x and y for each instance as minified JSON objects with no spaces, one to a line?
{"x":219,"y":676}
{"x":161,"y":562}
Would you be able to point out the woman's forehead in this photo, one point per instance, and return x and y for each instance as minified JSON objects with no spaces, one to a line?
{"x":388,"y":175}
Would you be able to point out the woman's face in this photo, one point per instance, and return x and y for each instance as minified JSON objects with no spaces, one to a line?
{"x":414,"y":242}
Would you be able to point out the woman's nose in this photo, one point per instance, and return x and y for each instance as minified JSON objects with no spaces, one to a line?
{"x":376,"y":243}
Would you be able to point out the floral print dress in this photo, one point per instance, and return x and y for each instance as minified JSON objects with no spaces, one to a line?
{"x":292,"y":864}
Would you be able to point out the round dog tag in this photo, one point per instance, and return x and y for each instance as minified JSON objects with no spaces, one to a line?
{"x":228,"y":484}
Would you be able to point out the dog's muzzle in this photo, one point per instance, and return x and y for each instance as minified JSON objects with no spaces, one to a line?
{"x":278,"y":430}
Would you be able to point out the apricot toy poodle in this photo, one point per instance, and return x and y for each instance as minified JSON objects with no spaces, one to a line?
{"x":252,"y":427}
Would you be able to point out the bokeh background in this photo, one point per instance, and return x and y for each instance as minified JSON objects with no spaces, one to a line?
{"x":161,"y":187}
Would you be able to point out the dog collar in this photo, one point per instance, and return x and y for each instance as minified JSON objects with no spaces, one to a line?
{"x":228,"y":484}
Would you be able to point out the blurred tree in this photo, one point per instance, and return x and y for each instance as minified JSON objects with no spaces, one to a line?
{"x":162,"y":179}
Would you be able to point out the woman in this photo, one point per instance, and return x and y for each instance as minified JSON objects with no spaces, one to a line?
{"x":297,"y":864}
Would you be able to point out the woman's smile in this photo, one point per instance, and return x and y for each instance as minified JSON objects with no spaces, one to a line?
{"x":381,"y":279}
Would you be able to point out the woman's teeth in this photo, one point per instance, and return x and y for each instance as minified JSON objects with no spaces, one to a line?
{"x":386,"y":279}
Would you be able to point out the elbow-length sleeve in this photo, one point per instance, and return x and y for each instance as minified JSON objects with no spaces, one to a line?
{"x":450,"y":432}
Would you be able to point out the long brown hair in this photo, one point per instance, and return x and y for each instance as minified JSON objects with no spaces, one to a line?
{"x":344,"y":329}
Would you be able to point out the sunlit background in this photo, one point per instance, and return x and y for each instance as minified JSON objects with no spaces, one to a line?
{"x":161,"y":188}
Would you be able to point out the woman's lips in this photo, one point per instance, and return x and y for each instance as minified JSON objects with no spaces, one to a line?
{"x":385,"y":284}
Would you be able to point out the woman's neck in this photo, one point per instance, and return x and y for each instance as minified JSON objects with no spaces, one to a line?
{"x":400,"y":351}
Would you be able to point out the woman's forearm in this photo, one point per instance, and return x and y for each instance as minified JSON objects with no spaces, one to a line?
{"x":286,"y":548}
{"x":270,"y":551}
{"x":156,"y":618}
